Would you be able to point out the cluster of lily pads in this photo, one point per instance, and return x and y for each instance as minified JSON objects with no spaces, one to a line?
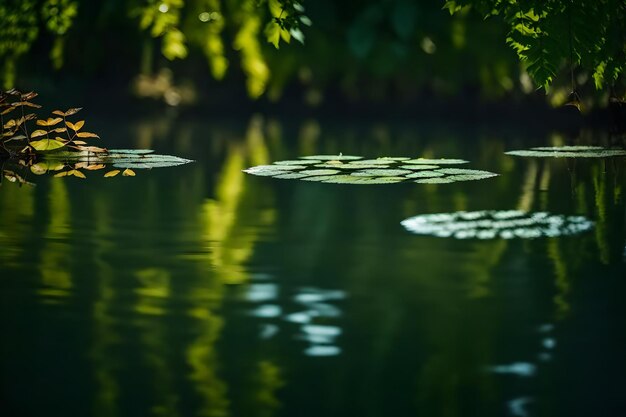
{"x":121,"y":160}
{"x":568,"y":152}
{"x":348,"y":169}
{"x":491,"y":224}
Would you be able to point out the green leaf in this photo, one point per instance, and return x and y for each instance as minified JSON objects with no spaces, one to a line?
{"x":47,"y":144}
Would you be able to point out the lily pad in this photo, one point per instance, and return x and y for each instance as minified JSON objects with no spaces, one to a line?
{"x":440,"y":180}
{"x":491,"y":224}
{"x":345,"y":169}
{"x":417,"y":167}
{"x":425,"y":174}
{"x":271,"y":170}
{"x":333,"y":157}
{"x":443,"y":161}
{"x":381,"y":173}
{"x":568,"y":152}
{"x":298,"y":162}
{"x":379,"y":161}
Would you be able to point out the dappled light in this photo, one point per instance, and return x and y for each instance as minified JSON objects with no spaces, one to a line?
{"x":277,"y":208}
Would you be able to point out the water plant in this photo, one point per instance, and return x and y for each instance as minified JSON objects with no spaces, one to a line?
{"x":350,"y":169}
{"x":58,"y":145}
{"x":568,"y":152}
{"x":493,"y":224}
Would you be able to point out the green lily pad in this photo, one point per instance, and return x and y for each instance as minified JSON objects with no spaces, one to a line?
{"x":568,"y":152}
{"x":298,"y":162}
{"x":491,"y":224}
{"x":332,"y":157}
{"x":381,"y":173}
{"x":271,"y":170}
{"x":347,"y":166}
{"x":442,"y":161}
{"x":345,"y":169}
{"x":416,"y":167}
{"x":310,"y":173}
{"x":425,"y":174}
{"x":379,"y":161}
{"x":439,"y":180}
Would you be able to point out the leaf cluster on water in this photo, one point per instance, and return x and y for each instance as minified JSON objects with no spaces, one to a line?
{"x":568,"y":152}
{"x":492,"y":224}
{"x":58,"y":145}
{"x":351,"y":169}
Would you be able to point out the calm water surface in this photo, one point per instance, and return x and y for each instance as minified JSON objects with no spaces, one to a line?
{"x":202,"y":291}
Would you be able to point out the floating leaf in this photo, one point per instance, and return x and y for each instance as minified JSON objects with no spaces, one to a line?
{"x":271,"y":170}
{"x":425,"y":174}
{"x":568,"y":152}
{"x":47,"y":144}
{"x":379,"y":161}
{"x":298,"y":162}
{"x":383,"y":170}
{"x":333,"y":157}
{"x":128,"y":172}
{"x":416,"y":167}
{"x":492,"y":224}
{"x":94,"y":167}
{"x":439,"y":180}
{"x":39,"y":168}
{"x":131,"y":151}
{"x":381,"y":173}
{"x":62,"y":174}
{"x":112,"y":173}
{"x":442,"y":161}
{"x":77,"y":173}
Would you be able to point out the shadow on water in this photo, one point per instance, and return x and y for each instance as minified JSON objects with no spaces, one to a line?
{"x":201,"y":290}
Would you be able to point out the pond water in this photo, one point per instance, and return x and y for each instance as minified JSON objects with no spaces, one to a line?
{"x":200,"y":290}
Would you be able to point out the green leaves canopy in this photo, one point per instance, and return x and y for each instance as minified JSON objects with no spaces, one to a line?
{"x":547,"y":34}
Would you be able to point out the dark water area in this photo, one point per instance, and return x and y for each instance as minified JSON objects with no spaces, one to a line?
{"x":200,"y":290}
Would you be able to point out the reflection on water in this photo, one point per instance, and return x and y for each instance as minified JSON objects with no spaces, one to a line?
{"x":199,"y":290}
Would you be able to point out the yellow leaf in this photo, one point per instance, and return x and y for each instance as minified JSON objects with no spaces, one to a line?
{"x":58,"y":113}
{"x":62,"y":174}
{"x":77,"y":126}
{"x":112,"y":173}
{"x":39,"y":168}
{"x":95,"y":167}
{"x":38,"y":133}
{"x":94,"y":149}
{"x":71,"y":125}
{"x":79,"y":142}
{"x":128,"y":172}
{"x":87,"y":135}
{"x":47,"y":144}
{"x":59,"y":130}
{"x":52,"y":122}
{"x":77,"y":174}
{"x":40,"y":123}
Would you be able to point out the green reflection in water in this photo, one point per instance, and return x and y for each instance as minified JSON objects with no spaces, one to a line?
{"x":152,"y":270}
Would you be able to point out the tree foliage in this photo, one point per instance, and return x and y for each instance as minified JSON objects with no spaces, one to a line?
{"x":550,"y":34}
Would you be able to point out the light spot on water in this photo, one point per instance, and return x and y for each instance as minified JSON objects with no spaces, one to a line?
{"x":267,"y":311}
{"x":322,"y":351}
{"x":301,"y":318}
{"x":268,"y":331}
{"x":549,"y":343}
{"x":517,"y":406}
{"x":262,"y":292}
{"x":523,"y":369}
